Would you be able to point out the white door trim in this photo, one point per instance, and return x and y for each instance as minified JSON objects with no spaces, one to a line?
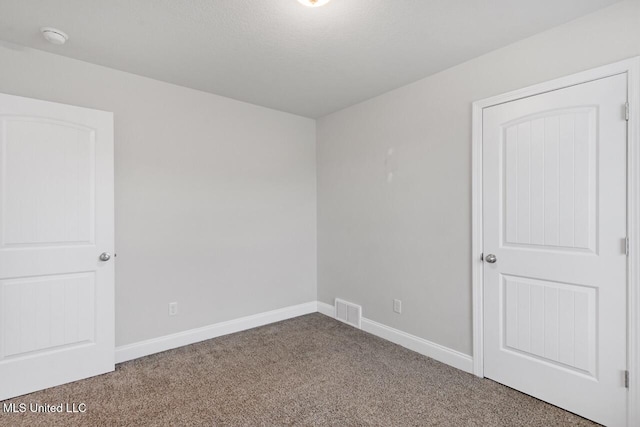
{"x":632,"y":68}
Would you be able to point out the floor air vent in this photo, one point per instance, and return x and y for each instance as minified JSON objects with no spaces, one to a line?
{"x":348,"y":313}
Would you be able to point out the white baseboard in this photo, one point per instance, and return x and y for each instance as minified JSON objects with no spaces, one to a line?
{"x":435,"y":351}
{"x":326,"y":309}
{"x":168,"y":342}
{"x":430,"y":349}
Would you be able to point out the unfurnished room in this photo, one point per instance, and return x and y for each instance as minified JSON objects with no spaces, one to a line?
{"x":320,"y":213}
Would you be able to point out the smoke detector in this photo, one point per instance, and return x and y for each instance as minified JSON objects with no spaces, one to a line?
{"x":314,"y":3}
{"x":53,"y":35}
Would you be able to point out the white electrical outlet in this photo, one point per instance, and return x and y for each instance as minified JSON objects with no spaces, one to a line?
{"x":173,"y":308}
{"x":397,"y":306}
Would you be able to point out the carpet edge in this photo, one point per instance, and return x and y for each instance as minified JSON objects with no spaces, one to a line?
{"x":427,"y":348}
{"x":167,"y":342}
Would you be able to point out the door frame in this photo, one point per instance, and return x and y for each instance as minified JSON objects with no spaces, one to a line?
{"x":630,"y":67}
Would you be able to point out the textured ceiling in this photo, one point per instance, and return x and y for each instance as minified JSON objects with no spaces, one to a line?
{"x":278,"y":53}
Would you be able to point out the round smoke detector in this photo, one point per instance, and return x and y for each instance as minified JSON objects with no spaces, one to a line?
{"x":314,"y":3}
{"x":53,"y":35}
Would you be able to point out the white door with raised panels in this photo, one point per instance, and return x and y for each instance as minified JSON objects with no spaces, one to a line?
{"x":554,"y":229}
{"x":56,"y":220}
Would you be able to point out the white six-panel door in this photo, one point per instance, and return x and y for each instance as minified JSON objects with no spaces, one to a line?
{"x":56,"y":218}
{"x":554,"y":213}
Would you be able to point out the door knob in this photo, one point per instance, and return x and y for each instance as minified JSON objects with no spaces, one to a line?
{"x":491,"y":258}
{"x":105,"y":256}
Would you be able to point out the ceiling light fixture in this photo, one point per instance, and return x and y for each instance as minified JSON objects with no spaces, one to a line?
{"x":314,"y":3}
{"x":53,"y":35}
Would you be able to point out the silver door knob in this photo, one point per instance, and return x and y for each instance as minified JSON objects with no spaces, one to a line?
{"x":491,"y":258}
{"x":105,"y":256}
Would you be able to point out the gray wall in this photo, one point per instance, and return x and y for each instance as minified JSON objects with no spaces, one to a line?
{"x":215,"y":199}
{"x":411,"y":238}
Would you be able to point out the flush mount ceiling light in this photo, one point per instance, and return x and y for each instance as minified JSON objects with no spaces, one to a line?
{"x":314,"y":3}
{"x":53,"y":35}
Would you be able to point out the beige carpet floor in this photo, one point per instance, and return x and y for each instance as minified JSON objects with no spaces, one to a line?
{"x":307,"y":371}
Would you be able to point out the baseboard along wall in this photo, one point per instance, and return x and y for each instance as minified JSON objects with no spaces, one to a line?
{"x":427,"y":348}
{"x":192,"y":336}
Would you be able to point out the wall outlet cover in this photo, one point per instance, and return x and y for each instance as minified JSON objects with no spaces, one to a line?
{"x":397,"y":306}
{"x":173,"y":308}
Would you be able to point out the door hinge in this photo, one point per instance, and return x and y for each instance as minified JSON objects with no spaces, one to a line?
{"x":626,"y":111}
{"x":626,"y":246}
{"x":626,"y":379}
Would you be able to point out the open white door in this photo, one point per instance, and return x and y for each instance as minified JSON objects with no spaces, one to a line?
{"x":56,"y":219}
{"x":554,"y":227}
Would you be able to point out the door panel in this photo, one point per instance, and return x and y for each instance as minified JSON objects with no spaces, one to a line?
{"x":63,"y":303}
{"x":554,"y":209}
{"x":551,"y":321}
{"x":48,"y":183}
{"x":550,"y":169}
{"x":56,"y":217}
